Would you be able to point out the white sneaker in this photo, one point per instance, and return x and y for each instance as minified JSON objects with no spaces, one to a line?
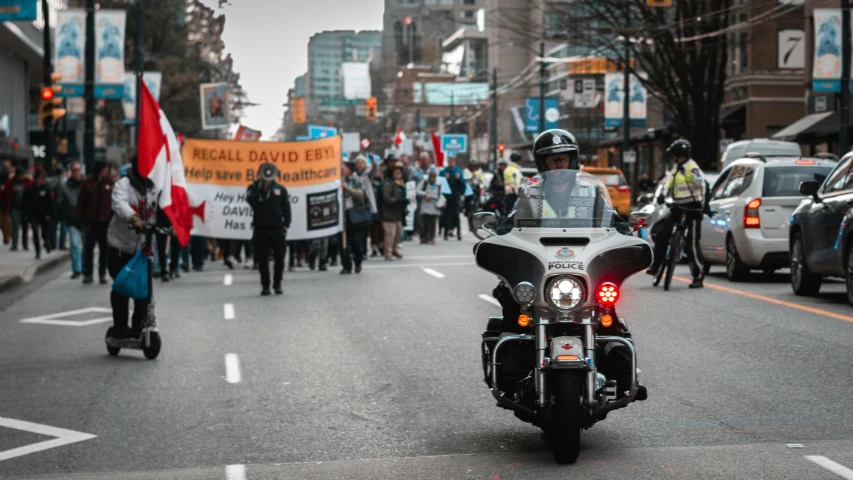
{"x":248,"y":265}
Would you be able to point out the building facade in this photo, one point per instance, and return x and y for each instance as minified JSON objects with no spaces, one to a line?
{"x":327,"y":51}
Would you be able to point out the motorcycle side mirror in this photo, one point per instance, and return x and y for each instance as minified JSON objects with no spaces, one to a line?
{"x":486,"y":220}
{"x":639,"y":220}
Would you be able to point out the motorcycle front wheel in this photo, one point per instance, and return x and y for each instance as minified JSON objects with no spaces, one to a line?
{"x":566,"y":416}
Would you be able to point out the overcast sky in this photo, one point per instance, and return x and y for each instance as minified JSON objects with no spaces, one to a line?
{"x":268,"y":40}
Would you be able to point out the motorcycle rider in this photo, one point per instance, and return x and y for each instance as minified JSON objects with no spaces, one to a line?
{"x":687,"y":186}
{"x":473,"y":176}
{"x":512,"y":179}
{"x":556,"y":150}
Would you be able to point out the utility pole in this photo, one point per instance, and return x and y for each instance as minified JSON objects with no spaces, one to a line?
{"x":626,"y":101}
{"x":89,"y":90}
{"x":541,"y":87}
{"x":843,"y":135}
{"x":452,"y":127}
{"x":138,"y":54}
{"x":495,"y":119}
{"x":49,"y":141}
{"x":411,"y":42}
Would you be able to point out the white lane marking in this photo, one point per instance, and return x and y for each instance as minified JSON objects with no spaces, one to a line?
{"x":235,"y":472}
{"x":232,"y":368}
{"x":63,"y":437}
{"x":56,"y":318}
{"x":229,"y":279}
{"x":833,"y":467}
{"x":229,"y":311}
{"x":433,"y":273}
{"x":414,"y":265}
{"x":428,"y":257}
{"x":489,"y":299}
{"x":639,"y":371}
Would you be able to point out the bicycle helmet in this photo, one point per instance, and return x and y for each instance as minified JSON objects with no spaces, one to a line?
{"x":680,"y":149}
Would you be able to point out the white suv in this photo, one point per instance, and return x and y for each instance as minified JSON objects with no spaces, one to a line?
{"x":754,"y":198}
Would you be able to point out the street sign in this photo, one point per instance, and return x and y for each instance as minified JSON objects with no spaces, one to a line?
{"x":18,"y":10}
{"x":630,"y":157}
{"x":531,"y":114}
{"x":454,"y":143}
{"x":339,"y":102}
{"x":319,"y":131}
{"x":585,"y":93}
{"x":568,"y":90}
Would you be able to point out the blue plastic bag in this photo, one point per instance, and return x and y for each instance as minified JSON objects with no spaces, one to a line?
{"x":132,"y":281}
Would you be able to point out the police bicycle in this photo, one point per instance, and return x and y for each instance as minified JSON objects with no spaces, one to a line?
{"x":676,"y":242}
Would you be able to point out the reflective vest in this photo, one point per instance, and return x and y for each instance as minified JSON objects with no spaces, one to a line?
{"x":512,"y":179}
{"x":686,"y":184}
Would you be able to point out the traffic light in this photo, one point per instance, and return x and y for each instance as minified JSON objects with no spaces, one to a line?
{"x":49,"y":111}
{"x":62,"y":146}
{"x":370,"y":107}
{"x":501,"y":148}
{"x":298,"y":110}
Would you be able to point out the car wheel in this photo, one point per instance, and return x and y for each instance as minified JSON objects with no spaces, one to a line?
{"x":736,"y":270}
{"x":803,"y":282}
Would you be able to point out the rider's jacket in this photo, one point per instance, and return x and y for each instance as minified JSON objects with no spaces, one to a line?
{"x":512,"y":179}
{"x":130,"y":198}
{"x":474,"y":177}
{"x":686,"y":183}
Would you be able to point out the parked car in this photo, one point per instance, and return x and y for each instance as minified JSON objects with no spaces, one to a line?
{"x":821,"y":237}
{"x":754,"y":198}
{"x":764,"y":146}
{"x":620,"y":191}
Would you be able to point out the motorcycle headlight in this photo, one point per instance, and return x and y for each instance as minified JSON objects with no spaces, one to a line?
{"x":565,"y":293}
{"x":525,"y":293}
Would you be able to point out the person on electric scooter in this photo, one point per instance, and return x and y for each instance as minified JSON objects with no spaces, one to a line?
{"x":687,"y":187}
{"x":134,"y":205}
{"x":556,"y":150}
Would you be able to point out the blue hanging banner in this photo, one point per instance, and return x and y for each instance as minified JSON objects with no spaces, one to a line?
{"x":16,"y":10}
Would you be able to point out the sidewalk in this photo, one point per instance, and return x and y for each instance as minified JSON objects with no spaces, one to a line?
{"x":21,"y":266}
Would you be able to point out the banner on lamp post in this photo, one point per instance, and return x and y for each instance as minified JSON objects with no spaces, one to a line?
{"x":109,"y":53}
{"x":152,"y":80}
{"x":614,"y":95}
{"x":638,"y":103}
{"x":70,"y":43}
{"x":826,"y":72}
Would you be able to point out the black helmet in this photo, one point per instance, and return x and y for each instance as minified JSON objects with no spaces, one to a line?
{"x":551,"y":142}
{"x":515,"y":157}
{"x":680,"y":149}
{"x":473,"y":163}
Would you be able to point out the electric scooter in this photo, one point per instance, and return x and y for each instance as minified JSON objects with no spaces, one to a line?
{"x":149,"y":338}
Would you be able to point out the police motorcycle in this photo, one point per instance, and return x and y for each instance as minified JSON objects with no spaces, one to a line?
{"x":566,"y":270}
{"x":149,"y":340}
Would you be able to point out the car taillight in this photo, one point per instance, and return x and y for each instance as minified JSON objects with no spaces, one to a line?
{"x":607,"y":293}
{"x":493,"y":206}
{"x":804,"y":162}
{"x":623,"y":189}
{"x":750,"y":214}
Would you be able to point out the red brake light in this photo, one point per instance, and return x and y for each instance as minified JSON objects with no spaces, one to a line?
{"x":804,"y":162}
{"x":750,"y":214}
{"x":623,"y":189}
{"x":607,"y":293}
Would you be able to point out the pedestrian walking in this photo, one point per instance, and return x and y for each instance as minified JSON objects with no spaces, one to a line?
{"x":58,"y":224}
{"x":455,"y":179}
{"x":419,"y":174}
{"x":13,"y":191}
{"x":377,"y":231}
{"x":394,"y":203}
{"x":271,"y":206}
{"x":69,"y":192}
{"x":94,"y":209}
{"x":358,"y":219}
{"x":167,"y":242}
{"x":38,"y":209}
{"x":195,"y":251}
{"x":7,"y":172}
{"x":432,"y":203}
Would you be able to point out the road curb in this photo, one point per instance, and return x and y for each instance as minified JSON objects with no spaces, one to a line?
{"x":30,"y":272}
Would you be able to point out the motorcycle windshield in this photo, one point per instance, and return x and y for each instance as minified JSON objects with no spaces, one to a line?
{"x":563,"y":199}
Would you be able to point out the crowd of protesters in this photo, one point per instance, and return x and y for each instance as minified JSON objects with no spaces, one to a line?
{"x":69,"y":211}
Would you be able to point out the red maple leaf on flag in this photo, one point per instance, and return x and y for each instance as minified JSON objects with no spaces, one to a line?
{"x":159,"y":159}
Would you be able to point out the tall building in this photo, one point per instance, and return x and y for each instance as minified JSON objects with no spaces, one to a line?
{"x":327,"y":51}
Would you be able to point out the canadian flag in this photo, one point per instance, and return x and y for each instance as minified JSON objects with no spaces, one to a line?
{"x":400,"y":138}
{"x":365,"y":143}
{"x":246,"y":134}
{"x":159,"y":159}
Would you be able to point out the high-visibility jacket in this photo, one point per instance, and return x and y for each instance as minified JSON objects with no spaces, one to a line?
{"x":474,"y":177}
{"x":686,"y":183}
{"x":513,"y":178}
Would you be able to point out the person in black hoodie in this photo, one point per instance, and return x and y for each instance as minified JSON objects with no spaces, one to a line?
{"x":271,"y":206}
{"x":38,"y":208}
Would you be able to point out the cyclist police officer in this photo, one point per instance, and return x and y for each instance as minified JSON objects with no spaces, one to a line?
{"x":686,"y":185}
{"x":271,"y":206}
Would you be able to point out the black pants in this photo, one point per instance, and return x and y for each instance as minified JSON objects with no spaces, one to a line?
{"x":451,"y":215}
{"x":44,"y":226}
{"x":264,"y":239}
{"x":174,"y":252}
{"x":691,"y":242}
{"x":353,"y":252}
{"x":120,"y":303}
{"x":96,"y":233}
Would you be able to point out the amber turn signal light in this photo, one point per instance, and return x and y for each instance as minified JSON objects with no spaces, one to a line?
{"x":606,"y":320}
{"x":523,"y":320}
{"x":566,"y":358}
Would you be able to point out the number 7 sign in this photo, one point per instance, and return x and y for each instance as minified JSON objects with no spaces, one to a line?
{"x":791,"y":49}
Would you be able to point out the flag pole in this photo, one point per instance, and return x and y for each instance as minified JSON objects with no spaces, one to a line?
{"x":138,"y":52}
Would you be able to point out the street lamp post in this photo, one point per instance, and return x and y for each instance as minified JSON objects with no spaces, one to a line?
{"x":48,"y":70}
{"x":541,"y":87}
{"x":843,"y":134}
{"x":89,"y":89}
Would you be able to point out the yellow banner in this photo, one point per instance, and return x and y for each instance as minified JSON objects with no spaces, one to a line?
{"x":235,"y":163}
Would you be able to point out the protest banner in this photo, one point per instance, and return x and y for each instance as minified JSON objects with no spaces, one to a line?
{"x":219,"y":171}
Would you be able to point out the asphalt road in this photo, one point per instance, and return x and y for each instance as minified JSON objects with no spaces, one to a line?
{"x":377,"y":376}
